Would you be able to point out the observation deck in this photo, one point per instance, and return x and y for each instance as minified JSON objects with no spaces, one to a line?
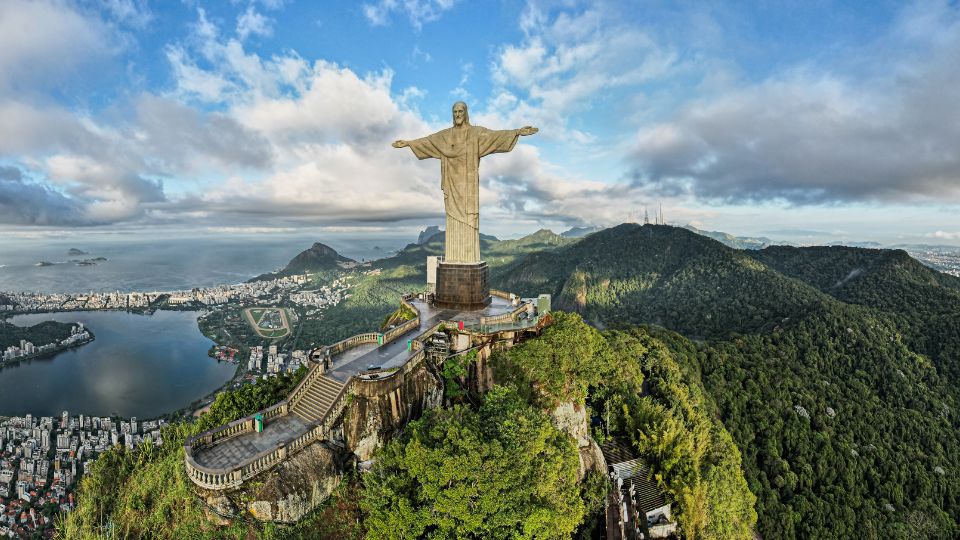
{"x":225,"y":457}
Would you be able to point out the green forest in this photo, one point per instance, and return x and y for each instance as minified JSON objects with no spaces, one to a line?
{"x":495,"y":466}
{"x":834,"y":369}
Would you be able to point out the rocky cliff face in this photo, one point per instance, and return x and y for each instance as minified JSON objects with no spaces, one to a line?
{"x":572,"y":419}
{"x":378,"y":411}
{"x":289,"y":491}
{"x":381,"y":408}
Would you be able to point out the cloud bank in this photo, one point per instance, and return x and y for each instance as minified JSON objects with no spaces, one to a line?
{"x":279,"y":140}
{"x":808,"y":136}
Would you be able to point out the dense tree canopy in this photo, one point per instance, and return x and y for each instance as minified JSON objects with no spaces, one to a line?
{"x":502,"y":471}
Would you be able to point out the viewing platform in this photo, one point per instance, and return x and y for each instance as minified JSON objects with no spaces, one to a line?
{"x":223,"y":458}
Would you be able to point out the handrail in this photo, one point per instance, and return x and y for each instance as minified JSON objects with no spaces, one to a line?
{"x":509,"y":316}
{"x":352,"y":341}
{"x":214,"y":478}
{"x":301,"y":388}
{"x":218,"y":479}
{"x":502,"y":294}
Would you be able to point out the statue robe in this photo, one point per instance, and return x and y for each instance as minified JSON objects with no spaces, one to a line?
{"x":459,"y":150}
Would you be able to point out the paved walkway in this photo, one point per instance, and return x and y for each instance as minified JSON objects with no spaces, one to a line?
{"x":395,"y":354}
{"x":233,"y":451}
{"x":345,"y":365}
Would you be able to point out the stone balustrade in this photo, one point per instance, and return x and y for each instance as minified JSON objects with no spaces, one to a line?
{"x":501,"y":294}
{"x":407,"y":326}
{"x":394,"y":333}
{"x":220,"y":479}
{"x":353,"y":341}
{"x":504,"y":317}
{"x":301,"y":389}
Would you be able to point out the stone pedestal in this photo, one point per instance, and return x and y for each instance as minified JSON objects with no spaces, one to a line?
{"x":463,"y":286}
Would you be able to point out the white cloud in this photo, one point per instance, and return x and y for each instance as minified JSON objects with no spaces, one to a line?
{"x":944,"y":235}
{"x":111,"y":168}
{"x":48,"y":42}
{"x":567,"y":62}
{"x":252,"y":22}
{"x":417,"y":11}
{"x":810,"y":136}
{"x":194,"y":82}
{"x":300,"y":142}
{"x":330,"y":132}
{"x":135,"y":13}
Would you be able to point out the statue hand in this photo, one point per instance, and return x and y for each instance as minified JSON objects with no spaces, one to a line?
{"x":400,"y":143}
{"x":528,"y":130}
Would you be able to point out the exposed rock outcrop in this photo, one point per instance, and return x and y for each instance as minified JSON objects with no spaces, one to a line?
{"x":296,"y":486}
{"x":381,"y":408}
{"x":572,"y":419}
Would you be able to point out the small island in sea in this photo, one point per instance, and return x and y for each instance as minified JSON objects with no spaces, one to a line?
{"x":88,"y":262}
{"x":78,"y":262}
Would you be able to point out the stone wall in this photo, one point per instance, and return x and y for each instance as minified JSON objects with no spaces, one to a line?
{"x":287,"y":492}
{"x":381,"y":408}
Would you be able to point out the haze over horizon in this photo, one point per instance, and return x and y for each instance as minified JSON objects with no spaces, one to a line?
{"x":805,"y":123}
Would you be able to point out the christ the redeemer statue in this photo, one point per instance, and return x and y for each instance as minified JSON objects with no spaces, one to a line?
{"x":459,"y":150}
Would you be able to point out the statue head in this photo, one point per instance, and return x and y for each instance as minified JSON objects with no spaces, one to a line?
{"x":460,"y":114}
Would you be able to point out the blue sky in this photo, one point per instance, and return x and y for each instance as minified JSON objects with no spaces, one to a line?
{"x":804,"y":121}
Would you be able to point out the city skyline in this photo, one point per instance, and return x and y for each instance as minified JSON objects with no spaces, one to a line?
{"x":806,"y":123}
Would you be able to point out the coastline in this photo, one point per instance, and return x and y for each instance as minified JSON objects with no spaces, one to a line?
{"x":56,"y":350}
{"x":148,"y":303}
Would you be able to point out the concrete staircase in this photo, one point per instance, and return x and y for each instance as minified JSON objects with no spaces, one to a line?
{"x":318,"y":399}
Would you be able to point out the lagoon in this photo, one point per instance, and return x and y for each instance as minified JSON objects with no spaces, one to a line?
{"x":138,"y":365}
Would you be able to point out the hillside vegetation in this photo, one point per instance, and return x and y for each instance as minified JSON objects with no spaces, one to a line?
{"x":146,"y":493}
{"x":788,"y":392}
{"x":486,"y":466}
{"x":500,"y":469}
{"x":835,"y":369}
{"x":378,"y":287}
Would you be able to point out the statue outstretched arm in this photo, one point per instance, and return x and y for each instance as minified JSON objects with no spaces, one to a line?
{"x":497,"y":141}
{"x":423,"y":148}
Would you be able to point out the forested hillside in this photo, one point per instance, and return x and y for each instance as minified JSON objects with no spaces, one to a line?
{"x":822,"y":381}
{"x":838,"y":386}
{"x":664,"y":275}
{"x":494,"y":466}
{"x":925,"y":303}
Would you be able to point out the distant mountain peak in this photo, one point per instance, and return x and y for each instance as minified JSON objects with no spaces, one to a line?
{"x":428,"y":233}
{"x":738,"y":242}
{"x":319,"y":256}
{"x":579,"y":232}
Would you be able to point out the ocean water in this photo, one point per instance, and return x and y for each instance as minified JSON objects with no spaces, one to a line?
{"x":149,"y":263}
